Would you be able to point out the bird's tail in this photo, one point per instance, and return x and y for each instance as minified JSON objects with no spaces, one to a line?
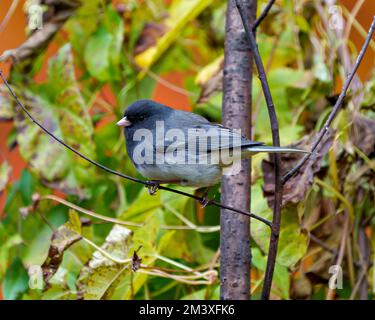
{"x":270,"y":149}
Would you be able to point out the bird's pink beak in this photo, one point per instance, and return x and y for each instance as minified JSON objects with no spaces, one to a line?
{"x":124,"y":122}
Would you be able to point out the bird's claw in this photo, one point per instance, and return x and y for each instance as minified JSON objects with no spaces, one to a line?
{"x":204,"y":201}
{"x":152,"y":187}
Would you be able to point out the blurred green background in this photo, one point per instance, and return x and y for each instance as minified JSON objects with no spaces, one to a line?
{"x":69,"y":230}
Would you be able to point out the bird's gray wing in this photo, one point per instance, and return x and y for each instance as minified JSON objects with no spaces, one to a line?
{"x":201,"y":137}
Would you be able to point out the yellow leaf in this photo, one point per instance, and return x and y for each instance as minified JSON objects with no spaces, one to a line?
{"x":209,"y":71}
{"x":181,"y":12}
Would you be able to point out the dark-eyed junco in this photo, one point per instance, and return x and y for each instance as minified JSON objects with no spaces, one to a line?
{"x":173,"y":146}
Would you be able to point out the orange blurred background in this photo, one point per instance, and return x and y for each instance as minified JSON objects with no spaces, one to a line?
{"x":13,"y":34}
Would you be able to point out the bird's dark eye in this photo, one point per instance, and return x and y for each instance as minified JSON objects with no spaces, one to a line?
{"x":141,"y":118}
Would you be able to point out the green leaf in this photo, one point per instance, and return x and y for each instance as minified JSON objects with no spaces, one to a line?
{"x":259,"y":231}
{"x":97,"y":54}
{"x":57,"y":292}
{"x":16,"y":280}
{"x":114,"y":25}
{"x":26,"y":186}
{"x":5,"y":171}
{"x":144,"y":239}
{"x":292,"y":245}
{"x":181,"y":12}
{"x":292,"y":241}
{"x":6,"y":105}
{"x":14,"y":240}
{"x":101,"y":273}
{"x":58,"y":105}
{"x":281,"y":274}
{"x":74,"y":222}
{"x":102,"y":53}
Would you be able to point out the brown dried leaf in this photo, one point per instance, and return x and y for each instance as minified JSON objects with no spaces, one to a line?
{"x":363,"y":134}
{"x":150,"y":34}
{"x":62,"y":239}
{"x":211,"y":80}
{"x":215,"y":84}
{"x":136,"y":262}
{"x":295,"y":189}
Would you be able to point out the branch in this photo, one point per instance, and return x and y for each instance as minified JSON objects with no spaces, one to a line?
{"x":276,"y":142}
{"x":235,"y":253}
{"x":124,"y":176}
{"x":264,"y":13}
{"x":336,"y":107}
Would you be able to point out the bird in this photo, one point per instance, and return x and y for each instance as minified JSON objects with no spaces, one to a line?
{"x":166,"y":145}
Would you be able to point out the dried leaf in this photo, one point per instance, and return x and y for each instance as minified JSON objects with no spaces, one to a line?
{"x":295,"y":189}
{"x":136,"y":261}
{"x":97,"y":277}
{"x":210,"y":79}
{"x":150,"y":34}
{"x":363,"y":134}
{"x":62,"y":239}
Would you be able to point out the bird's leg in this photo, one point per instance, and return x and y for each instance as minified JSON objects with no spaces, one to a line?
{"x":152,"y":186}
{"x":205,"y":200}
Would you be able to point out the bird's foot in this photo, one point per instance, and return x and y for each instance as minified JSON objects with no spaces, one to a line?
{"x":204,"y":201}
{"x":153,"y":187}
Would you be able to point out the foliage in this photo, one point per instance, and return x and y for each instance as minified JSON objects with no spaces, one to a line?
{"x":161,"y":247}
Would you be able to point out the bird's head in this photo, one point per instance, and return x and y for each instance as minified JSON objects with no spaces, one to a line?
{"x":142,"y":111}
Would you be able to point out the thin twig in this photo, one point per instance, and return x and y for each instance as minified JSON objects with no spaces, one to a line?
{"x":336,"y":107}
{"x":209,"y":275}
{"x":324,"y":245}
{"x":189,"y":224}
{"x":352,"y":17}
{"x":276,"y":142}
{"x":124,"y":176}
{"x":264,"y":13}
{"x":8,"y":15}
{"x":91,"y":213}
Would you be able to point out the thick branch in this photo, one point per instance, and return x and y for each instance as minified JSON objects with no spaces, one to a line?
{"x":276,"y":142}
{"x":235,"y":254}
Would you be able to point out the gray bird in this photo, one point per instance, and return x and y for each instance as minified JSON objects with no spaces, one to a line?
{"x":178,"y":147}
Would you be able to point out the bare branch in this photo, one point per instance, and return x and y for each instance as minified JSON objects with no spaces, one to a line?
{"x":262,"y":15}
